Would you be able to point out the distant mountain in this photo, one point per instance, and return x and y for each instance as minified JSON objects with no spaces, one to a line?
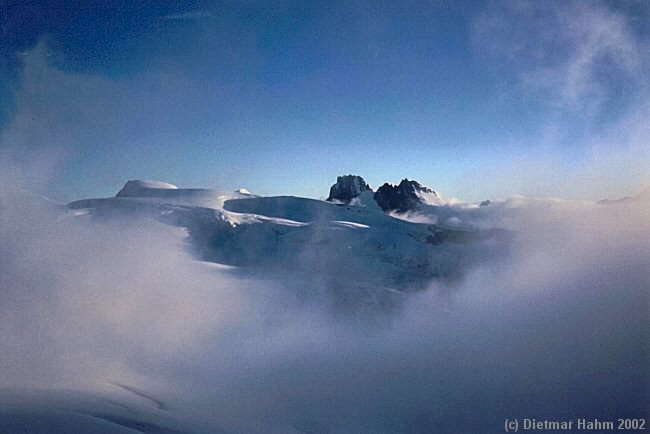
{"x":644,"y":196}
{"x":407,"y":196}
{"x":331,"y":243}
{"x":486,"y":202}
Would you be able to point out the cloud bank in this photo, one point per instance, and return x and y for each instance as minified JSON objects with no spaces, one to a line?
{"x":557,"y":328}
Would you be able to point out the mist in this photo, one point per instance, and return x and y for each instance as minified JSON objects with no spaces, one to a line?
{"x":555,"y":328}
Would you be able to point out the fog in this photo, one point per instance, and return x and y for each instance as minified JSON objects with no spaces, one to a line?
{"x":556,"y":328}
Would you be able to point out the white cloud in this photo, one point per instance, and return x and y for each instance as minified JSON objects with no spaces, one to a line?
{"x":584,"y":67}
{"x":568,"y":54}
{"x":85,"y":306}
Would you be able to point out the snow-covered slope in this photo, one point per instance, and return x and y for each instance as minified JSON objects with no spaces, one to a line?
{"x":163,"y":192}
{"x":139,"y":187}
{"x":324,"y":241}
{"x":430,"y":197}
{"x":118,"y":409}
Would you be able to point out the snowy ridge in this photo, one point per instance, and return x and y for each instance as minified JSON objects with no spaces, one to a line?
{"x":140,"y":187}
{"x":163,"y":192}
{"x":331,"y":242}
{"x":430,"y":198}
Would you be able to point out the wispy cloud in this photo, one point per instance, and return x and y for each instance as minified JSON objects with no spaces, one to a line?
{"x":571,"y":55}
{"x":583,"y":68}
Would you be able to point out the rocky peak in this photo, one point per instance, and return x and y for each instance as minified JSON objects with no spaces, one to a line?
{"x":409,"y":195}
{"x":347,"y":187}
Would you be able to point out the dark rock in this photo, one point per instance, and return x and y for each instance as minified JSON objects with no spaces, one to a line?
{"x":347,"y":188}
{"x":403,"y":197}
{"x":486,"y":202}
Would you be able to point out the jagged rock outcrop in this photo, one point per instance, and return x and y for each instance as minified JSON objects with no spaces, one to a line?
{"x":347,"y":188}
{"x":407,"y":196}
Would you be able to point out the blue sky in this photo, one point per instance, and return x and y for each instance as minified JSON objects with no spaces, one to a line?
{"x":475,"y":99}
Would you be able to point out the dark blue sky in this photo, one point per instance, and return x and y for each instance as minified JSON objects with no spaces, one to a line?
{"x":474,"y":99}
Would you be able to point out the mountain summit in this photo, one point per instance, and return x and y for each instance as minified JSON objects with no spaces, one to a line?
{"x":407,"y":196}
{"x":347,"y":187}
{"x":137,"y":187}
